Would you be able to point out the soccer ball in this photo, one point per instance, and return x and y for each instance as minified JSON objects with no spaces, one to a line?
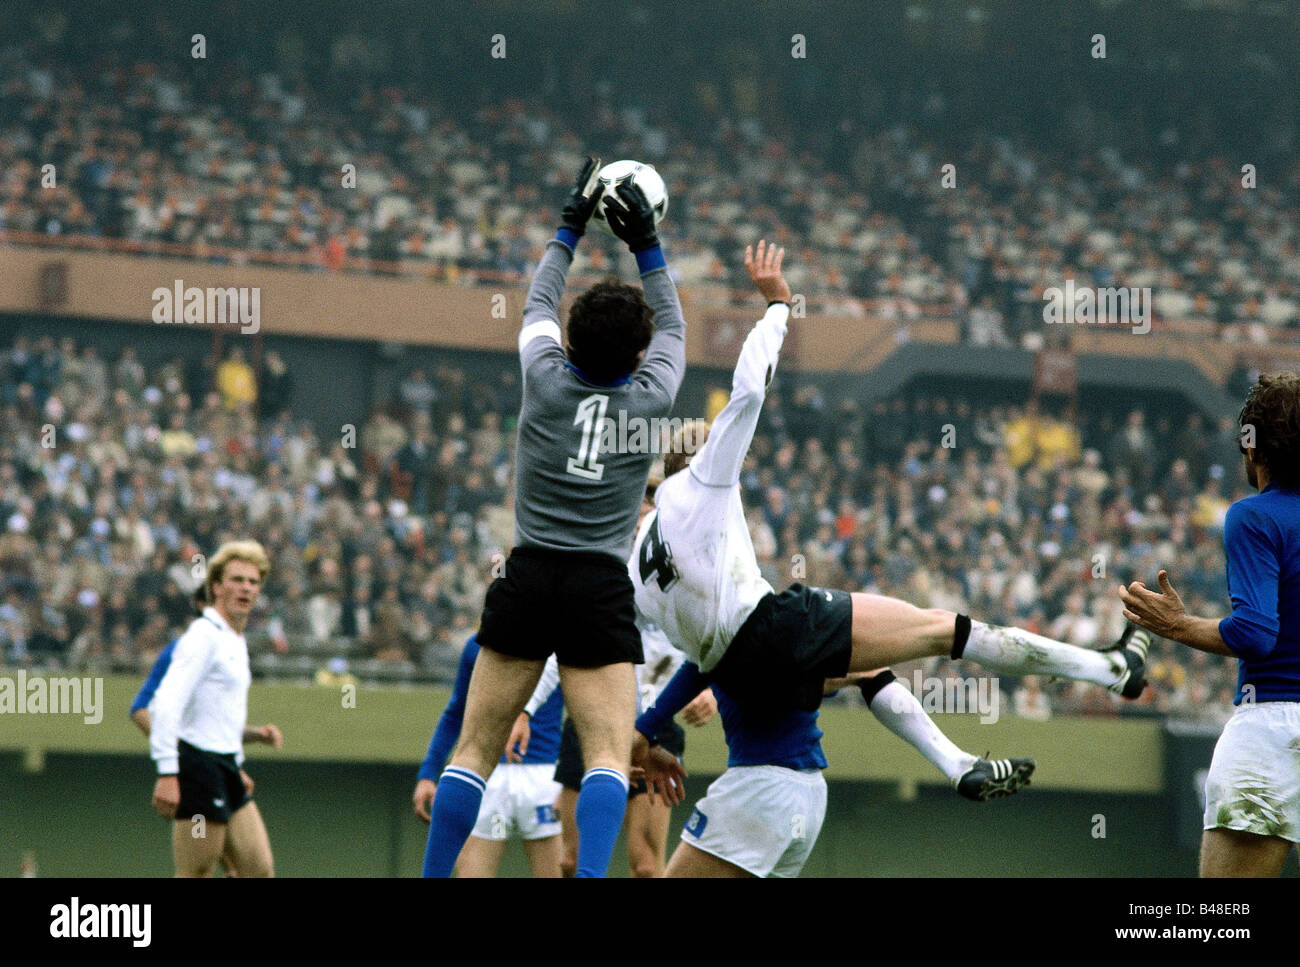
{"x":643,"y":176}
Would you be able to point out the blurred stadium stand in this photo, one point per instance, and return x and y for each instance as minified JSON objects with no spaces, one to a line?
{"x":924,"y":306}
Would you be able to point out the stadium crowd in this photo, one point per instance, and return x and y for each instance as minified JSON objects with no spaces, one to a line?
{"x":397,"y":177}
{"x":116,"y":476}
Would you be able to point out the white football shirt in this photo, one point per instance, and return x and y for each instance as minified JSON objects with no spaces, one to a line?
{"x":693,"y":563}
{"x":203,"y":698}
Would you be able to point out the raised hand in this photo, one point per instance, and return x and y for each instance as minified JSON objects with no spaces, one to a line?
{"x":583,"y":200}
{"x":631,"y":218}
{"x":765,"y":269}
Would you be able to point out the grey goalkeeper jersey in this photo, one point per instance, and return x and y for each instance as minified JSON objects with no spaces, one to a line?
{"x":584,"y":450}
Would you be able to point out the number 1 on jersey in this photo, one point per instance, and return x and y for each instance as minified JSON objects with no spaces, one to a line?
{"x":591,"y":416}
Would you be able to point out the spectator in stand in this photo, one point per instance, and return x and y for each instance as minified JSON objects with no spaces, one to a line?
{"x":236,"y":382}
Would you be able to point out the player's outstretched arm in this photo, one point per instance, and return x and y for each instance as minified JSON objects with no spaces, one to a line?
{"x":1252,"y":544}
{"x":1163,"y":614}
{"x":681,"y":689}
{"x":719,"y":461}
{"x":542,"y":307}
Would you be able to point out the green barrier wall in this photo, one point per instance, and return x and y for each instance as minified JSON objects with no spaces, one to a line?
{"x":88,"y":815}
{"x":393,"y":725}
{"x":337,"y":797}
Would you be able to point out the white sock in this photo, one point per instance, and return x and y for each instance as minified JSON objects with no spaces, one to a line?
{"x":900,"y":712}
{"x":1019,"y":652}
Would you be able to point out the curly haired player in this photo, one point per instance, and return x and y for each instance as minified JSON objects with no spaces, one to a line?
{"x":566,"y":589}
{"x":1252,"y":792}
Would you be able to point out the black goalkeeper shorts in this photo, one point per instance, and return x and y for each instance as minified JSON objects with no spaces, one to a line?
{"x":578,"y":605}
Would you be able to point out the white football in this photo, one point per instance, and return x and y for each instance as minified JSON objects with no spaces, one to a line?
{"x":643,"y":176}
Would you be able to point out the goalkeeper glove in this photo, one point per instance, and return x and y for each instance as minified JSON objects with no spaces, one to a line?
{"x":634,"y":220}
{"x":582,"y":202}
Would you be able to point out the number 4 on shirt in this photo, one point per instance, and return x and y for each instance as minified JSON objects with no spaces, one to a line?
{"x":657,"y":558}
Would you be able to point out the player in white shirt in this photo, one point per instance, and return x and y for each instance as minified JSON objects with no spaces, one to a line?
{"x":696,"y":575}
{"x":199,"y":713}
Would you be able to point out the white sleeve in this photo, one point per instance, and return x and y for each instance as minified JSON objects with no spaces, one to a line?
{"x":546,"y":686}
{"x":190,"y":659}
{"x":662,"y":659}
{"x":548,"y":328}
{"x":719,"y":461}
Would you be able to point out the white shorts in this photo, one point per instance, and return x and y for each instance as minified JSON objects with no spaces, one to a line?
{"x":764,"y":819}
{"x":519,"y":801}
{"x":1254,"y":780}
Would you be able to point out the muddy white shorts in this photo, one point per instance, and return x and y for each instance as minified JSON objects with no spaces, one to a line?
{"x":519,"y":801}
{"x":1254,"y":781}
{"x":764,"y":819}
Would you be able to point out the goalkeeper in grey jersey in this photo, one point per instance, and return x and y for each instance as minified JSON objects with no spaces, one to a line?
{"x":565,"y":588}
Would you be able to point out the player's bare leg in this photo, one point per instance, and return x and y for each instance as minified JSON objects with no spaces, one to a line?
{"x":646,"y":828}
{"x":691,"y":863}
{"x":602,"y":703}
{"x":480,"y":859}
{"x":1232,"y":853}
{"x":498,"y":691}
{"x":887,"y":631}
{"x":566,"y":807}
{"x":196,"y":855}
{"x":544,"y":857}
{"x":228,"y":862}
{"x":248,"y":844}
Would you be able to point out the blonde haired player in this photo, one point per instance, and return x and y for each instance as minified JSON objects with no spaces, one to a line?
{"x":199,"y":715}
